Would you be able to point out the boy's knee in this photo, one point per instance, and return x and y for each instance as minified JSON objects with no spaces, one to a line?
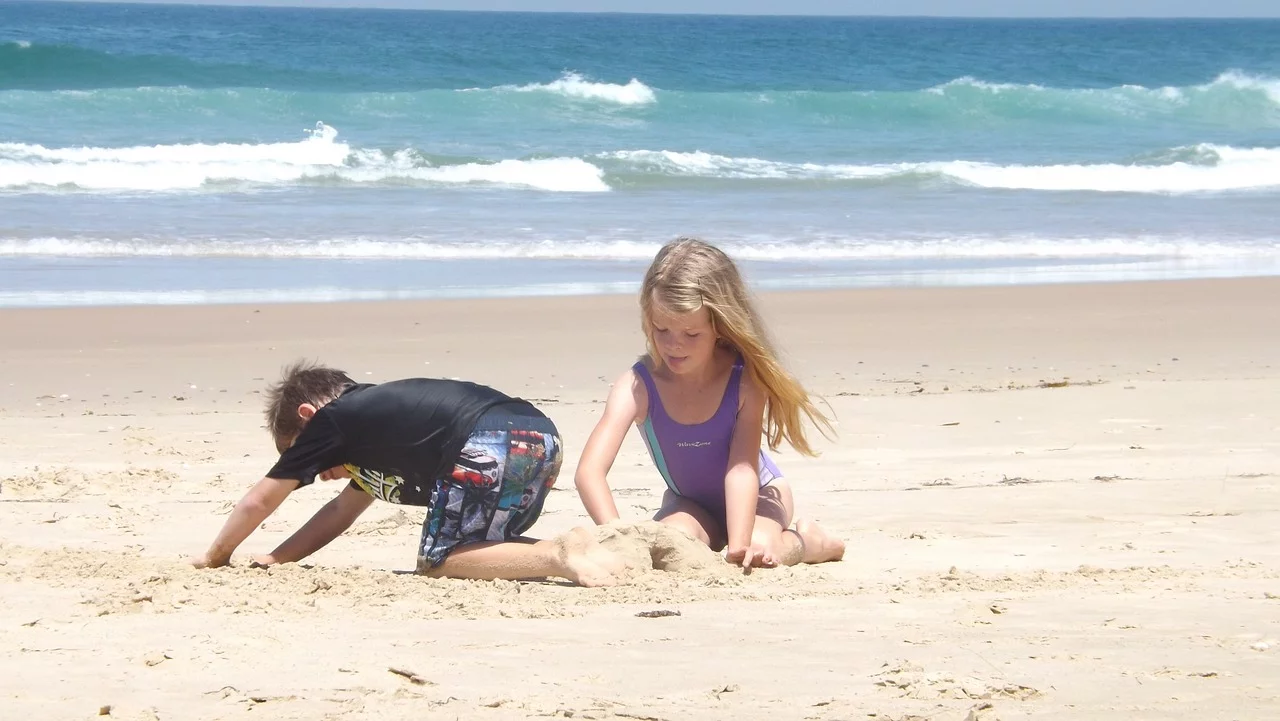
{"x":425,"y":568}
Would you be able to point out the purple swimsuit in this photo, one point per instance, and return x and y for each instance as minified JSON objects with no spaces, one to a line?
{"x":693,"y":459}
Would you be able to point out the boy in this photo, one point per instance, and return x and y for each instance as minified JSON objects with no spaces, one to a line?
{"x":481,"y":462}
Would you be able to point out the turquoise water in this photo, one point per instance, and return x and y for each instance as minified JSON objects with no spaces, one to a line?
{"x":204,"y":154}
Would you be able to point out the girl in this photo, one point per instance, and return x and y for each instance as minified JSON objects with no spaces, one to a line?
{"x":708,"y":389}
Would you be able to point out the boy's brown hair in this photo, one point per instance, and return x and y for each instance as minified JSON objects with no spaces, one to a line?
{"x":303,"y":382}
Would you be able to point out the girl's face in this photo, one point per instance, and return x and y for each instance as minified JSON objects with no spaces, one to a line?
{"x":686,"y":341}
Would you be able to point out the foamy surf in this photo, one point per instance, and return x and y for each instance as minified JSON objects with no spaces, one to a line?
{"x":1193,"y":169}
{"x":709,"y":165}
{"x":1230,"y":82}
{"x":321,"y":158}
{"x":1237,"y":80}
{"x":969,"y":82}
{"x":319,"y":148}
{"x":573,"y":85}
{"x":1235,"y":169}
{"x":764,"y":250}
{"x":318,"y":158}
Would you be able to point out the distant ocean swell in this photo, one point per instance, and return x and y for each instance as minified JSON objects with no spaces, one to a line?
{"x":1233,"y":95}
{"x":323,"y":159}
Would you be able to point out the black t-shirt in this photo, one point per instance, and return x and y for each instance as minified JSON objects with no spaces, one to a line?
{"x":413,"y":429}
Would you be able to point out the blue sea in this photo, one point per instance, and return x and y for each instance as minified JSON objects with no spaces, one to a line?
{"x":179,"y":154}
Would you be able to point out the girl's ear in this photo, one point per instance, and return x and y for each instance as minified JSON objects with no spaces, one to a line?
{"x":305,"y":411}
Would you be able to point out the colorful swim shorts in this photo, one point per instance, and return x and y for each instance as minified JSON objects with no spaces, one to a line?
{"x":497,"y":486}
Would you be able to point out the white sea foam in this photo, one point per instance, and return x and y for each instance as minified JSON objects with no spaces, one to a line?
{"x":1237,"y":80}
{"x":1231,"y":80}
{"x":319,"y":157}
{"x":969,"y":82}
{"x":322,"y":158}
{"x":1218,"y":168}
{"x":709,"y":165}
{"x":573,"y":85}
{"x":748,"y":249}
{"x":326,"y":294}
{"x":1236,"y":169}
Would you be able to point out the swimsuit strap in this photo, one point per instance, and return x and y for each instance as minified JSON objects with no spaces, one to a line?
{"x":733,"y":391}
{"x":655,"y":401}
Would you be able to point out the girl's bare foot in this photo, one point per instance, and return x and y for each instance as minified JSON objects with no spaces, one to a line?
{"x":819,"y":546}
{"x":585,"y":562}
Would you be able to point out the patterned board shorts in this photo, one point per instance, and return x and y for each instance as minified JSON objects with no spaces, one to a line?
{"x":497,"y":487}
{"x":494,"y":491}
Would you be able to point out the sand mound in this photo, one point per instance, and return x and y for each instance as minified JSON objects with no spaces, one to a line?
{"x":650,"y":545}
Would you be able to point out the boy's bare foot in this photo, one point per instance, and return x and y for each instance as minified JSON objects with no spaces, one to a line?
{"x":819,"y":546}
{"x":585,"y":562}
{"x":207,"y":561}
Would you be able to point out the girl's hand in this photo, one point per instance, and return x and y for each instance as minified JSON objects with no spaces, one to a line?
{"x":756,"y":555}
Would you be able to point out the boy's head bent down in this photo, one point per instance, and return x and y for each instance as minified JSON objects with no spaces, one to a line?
{"x":303,"y":388}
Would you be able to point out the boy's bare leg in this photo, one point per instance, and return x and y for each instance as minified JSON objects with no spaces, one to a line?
{"x":574,"y":555}
{"x":586,"y":559}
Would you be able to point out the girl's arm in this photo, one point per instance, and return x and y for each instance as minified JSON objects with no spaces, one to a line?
{"x":620,"y":411}
{"x":329,"y":522}
{"x":742,"y":482}
{"x":261,"y":501}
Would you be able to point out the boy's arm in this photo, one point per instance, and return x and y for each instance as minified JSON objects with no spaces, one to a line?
{"x":261,"y":501}
{"x":329,"y":522}
{"x":601,"y":450}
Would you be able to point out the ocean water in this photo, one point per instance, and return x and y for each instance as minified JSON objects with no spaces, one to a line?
{"x":161,"y":154}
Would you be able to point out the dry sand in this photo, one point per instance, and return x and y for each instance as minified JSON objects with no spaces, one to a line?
{"x":1060,"y":502}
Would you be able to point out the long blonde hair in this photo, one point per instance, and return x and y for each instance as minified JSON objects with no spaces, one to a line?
{"x":689,"y":274}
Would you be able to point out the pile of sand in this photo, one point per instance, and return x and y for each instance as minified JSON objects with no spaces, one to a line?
{"x":650,"y":545}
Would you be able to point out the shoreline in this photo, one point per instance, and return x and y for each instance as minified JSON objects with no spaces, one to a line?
{"x":469,"y":338}
{"x":766,"y":277}
{"x":619,"y":288}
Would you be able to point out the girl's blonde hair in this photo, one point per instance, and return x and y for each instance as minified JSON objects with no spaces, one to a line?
{"x":689,"y":274}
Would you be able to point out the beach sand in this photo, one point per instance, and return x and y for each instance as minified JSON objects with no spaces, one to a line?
{"x":1060,"y":502}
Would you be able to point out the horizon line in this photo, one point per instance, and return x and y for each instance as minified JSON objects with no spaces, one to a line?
{"x":302,"y":5}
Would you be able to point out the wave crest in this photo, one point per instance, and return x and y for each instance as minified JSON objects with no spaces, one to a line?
{"x":1191,"y":169}
{"x":318,"y":158}
{"x":573,"y":85}
{"x":321,"y":158}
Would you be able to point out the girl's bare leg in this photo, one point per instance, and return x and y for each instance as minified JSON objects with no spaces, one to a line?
{"x":807,"y":543}
{"x":691,"y":518}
